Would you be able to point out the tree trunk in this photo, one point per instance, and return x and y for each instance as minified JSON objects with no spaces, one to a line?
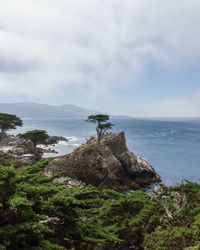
{"x":1,"y":134}
{"x":99,"y":133}
{"x":98,"y":139}
{"x":36,"y":155}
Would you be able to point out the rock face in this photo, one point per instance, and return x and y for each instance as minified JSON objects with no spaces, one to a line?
{"x":108,"y":165}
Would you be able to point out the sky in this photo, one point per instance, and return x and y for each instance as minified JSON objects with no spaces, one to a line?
{"x":132,"y":57}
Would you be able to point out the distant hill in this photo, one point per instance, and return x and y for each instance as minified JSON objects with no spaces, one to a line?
{"x":37,"y":110}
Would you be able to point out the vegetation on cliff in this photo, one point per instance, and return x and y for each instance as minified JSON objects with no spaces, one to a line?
{"x":38,"y":213}
{"x":102,"y":124}
{"x":36,"y":137}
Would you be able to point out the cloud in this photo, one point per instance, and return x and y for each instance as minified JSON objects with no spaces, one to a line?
{"x":174,"y":107}
{"x":50,"y":46}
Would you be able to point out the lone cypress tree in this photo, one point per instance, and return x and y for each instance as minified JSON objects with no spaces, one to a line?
{"x":102,"y":124}
{"x":7,"y":122}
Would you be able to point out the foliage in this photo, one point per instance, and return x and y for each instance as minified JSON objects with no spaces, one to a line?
{"x":102,"y":124}
{"x":37,"y":213}
{"x":7,"y":122}
{"x":182,"y":229}
{"x":37,"y":137}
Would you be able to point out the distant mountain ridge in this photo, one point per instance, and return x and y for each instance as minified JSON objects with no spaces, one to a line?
{"x":38,"y":110}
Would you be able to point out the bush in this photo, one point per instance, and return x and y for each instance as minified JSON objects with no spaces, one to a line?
{"x":36,"y":213}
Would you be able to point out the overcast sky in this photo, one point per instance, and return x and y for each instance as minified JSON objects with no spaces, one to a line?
{"x":138,"y":57}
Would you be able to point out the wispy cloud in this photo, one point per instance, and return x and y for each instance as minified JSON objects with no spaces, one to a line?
{"x":175,"y":107}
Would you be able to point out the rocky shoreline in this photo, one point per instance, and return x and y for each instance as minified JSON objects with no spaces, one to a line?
{"x":77,"y":192}
{"x":108,"y":165}
{"x":18,"y":151}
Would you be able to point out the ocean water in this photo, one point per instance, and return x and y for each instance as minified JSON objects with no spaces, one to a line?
{"x":171,"y":146}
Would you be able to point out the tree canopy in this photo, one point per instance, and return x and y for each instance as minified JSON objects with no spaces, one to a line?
{"x":36,"y":136}
{"x":38,"y":212}
{"x":102,"y":124}
{"x":7,"y":122}
{"x":98,"y":118}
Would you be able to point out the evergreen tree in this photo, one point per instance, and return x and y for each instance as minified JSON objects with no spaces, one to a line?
{"x":37,"y":137}
{"x":7,"y":122}
{"x":39,"y":213}
{"x":102,"y":124}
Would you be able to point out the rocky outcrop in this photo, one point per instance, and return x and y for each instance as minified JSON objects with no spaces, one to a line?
{"x":18,"y":151}
{"x":108,"y":165}
{"x":55,"y":139}
{"x":15,"y":151}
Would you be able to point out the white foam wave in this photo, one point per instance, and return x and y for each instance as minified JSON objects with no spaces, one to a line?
{"x":64,"y":143}
{"x":5,"y":149}
{"x":75,"y":144}
{"x":72,"y":138}
{"x":173,"y":131}
{"x":163,"y":134}
{"x":44,"y":146}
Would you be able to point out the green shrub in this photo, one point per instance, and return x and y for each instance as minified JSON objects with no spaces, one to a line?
{"x":38,"y":214}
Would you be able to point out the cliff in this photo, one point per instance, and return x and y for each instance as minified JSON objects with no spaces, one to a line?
{"x":108,"y":165}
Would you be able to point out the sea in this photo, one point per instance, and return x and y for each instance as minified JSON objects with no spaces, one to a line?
{"x":172,"y":146}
